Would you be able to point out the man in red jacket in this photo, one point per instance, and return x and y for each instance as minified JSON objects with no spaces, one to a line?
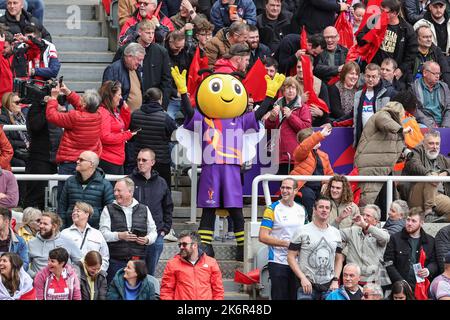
{"x":191,"y":274}
{"x":237,"y":59}
{"x":6,"y":75}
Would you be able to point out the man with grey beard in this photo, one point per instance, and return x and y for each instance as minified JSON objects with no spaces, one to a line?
{"x":432,"y":197}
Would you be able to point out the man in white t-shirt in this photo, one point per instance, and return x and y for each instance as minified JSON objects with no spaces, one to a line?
{"x":318,"y":246}
{"x":280,"y":221}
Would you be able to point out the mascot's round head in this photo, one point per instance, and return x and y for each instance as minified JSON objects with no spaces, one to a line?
{"x":221,"y":96}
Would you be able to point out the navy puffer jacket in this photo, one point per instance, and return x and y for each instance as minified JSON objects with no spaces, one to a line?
{"x":98,"y":193}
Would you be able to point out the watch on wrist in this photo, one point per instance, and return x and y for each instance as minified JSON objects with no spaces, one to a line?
{"x":191,"y":12}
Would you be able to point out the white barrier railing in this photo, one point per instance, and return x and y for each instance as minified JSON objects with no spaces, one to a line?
{"x":14,"y":127}
{"x":254,"y":227}
{"x":58,"y":177}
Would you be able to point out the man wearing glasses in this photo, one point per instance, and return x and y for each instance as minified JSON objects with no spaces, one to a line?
{"x":434,"y":96}
{"x":152,"y":190}
{"x":87,"y":185}
{"x":371,"y":98}
{"x":191,"y":274}
{"x":331,"y":61}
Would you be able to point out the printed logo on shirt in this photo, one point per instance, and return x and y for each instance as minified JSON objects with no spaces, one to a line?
{"x":389,"y":42}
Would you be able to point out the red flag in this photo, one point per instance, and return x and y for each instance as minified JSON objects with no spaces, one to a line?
{"x":374,"y":37}
{"x":308,"y":85}
{"x":421,"y":290}
{"x":303,"y":39}
{"x":194,"y":78}
{"x":345,"y":30}
{"x":255,"y":83}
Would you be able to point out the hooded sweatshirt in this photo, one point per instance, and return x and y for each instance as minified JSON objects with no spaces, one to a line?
{"x":43,"y":285}
{"x":39,"y":248}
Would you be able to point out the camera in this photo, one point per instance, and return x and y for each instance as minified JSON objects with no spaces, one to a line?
{"x":33,"y":91}
{"x":406,"y":154}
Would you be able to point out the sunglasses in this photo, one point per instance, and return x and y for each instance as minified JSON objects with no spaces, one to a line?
{"x":81,"y":160}
{"x":183,"y":244}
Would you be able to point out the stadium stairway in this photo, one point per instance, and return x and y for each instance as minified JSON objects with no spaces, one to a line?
{"x":80,"y":37}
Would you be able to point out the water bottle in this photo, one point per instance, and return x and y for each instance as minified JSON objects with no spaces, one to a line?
{"x":189,"y":38}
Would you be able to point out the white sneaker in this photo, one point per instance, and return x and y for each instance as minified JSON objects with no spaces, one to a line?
{"x":171,"y":236}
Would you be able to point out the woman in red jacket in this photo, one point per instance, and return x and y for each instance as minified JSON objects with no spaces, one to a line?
{"x":116,"y":118}
{"x":82,"y":126}
{"x":289,"y":115}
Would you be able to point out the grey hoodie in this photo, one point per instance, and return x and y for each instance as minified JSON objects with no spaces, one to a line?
{"x":39,"y":248}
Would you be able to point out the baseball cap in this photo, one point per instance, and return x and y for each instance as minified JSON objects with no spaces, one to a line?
{"x":447,"y":258}
{"x":445,"y":2}
{"x":238,"y":49}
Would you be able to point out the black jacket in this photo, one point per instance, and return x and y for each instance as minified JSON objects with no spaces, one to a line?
{"x":405,"y":48}
{"x":442,"y":246}
{"x":271,"y":33}
{"x":323,"y":70}
{"x":100,"y":284}
{"x":285,"y":53}
{"x":434,"y":54}
{"x":155,"y":194}
{"x":316,"y":15}
{"x":44,"y":136}
{"x":157,"y":128}
{"x":118,"y":71}
{"x":412,"y":11}
{"x":19,"y":146}
{"x":389,"y":91}
{"x":261,"y":52}
{"x":397,"y":255}
{"x":26,"y":18}
{"x":155,"y":71}
{"x":182,"y":60}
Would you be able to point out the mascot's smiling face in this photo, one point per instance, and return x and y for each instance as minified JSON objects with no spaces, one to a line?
{"x":222,"y":96}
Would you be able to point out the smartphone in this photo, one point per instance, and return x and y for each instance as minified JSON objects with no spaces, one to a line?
{"x":61,"y":81}
{"x":139,"y":233}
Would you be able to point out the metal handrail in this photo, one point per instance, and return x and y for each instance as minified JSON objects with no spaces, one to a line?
{"x":254,"y":224}
{"x":14,"y":127}
{"x":58,"y":177}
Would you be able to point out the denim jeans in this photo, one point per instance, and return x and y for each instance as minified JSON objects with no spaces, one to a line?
{"x":315,"y":295}
{"x":173,"y":108}
{"x":152,"y":254}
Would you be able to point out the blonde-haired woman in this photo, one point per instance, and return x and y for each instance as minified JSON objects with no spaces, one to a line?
{"x":30,"y":223}
{"x":290,"y":115}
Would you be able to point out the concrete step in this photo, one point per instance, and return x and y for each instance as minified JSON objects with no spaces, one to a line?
{"x":65,"y":27}
{"x":68,"y":11}
{"x":85,"y":57}
{"x":82,"y":44}
{"x":236,"y":296}
{"x":81,"y":86}
{"x":92,"y":72}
